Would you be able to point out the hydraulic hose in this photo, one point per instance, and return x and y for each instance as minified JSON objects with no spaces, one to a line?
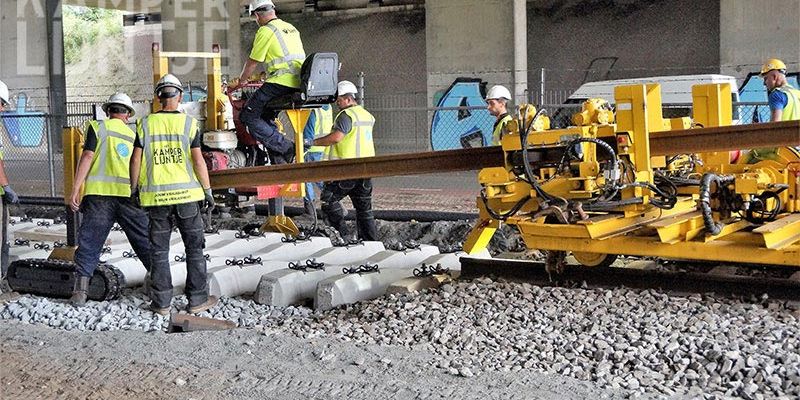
{"x":713,"y":227}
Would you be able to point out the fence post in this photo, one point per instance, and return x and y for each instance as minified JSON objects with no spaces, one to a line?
{"x":361,"y":88}
{"x":541,"y":88}
{"x":50,"y":158}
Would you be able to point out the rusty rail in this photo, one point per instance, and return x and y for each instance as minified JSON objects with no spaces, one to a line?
{"x":699,"y":140}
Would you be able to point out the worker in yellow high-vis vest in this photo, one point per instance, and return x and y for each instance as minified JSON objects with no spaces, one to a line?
{"x":104,"y":173}
{"x":784,"y":104}
{"x":350,"y":137}
{"x":319,"y":124}
{"x":8,"y":196}
{"x":277,"y":44}
{"x":497,"y":103}
{"x":172,"y":180}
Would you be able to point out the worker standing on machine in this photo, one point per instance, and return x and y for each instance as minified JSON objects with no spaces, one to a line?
{"x":104,"y":167}
{"x":277,"y":44}
{"x":497,"y":102}
{"x":318,"y":125}
{"x":173,"y":185}
{"x":350,"y":137}
{"x":9,"y":196}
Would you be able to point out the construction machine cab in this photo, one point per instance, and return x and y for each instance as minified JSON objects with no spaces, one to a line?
{"x":319,"y":76}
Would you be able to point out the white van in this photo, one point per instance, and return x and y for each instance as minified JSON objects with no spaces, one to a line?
{"x":676,"y":93}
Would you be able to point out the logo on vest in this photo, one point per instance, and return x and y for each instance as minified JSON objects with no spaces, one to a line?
{"x":123,"y":150}
{"x":170,"y":155}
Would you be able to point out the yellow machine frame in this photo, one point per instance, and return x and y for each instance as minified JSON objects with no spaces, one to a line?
{"x":641,"y":229}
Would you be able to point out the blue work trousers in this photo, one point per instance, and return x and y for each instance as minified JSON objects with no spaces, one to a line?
{"x":360,"y":193}
{"x":190,"y":224}
{"x":99,"y":215}
{"x":259,"y":121}
{"x":310,"y":192}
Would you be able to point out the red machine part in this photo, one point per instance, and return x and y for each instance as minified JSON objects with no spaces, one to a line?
{"x":238,"y":103}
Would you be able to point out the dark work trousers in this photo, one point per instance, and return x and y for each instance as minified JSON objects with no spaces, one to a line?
{"x":4,"y":246}
{"x":259,"y":121}
{"x":99,"y":214}
{"x":190,"y":224}
{"x":360,"y":192}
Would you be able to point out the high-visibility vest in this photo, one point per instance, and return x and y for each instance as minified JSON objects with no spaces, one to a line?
{"x":285,"y":54}
{"x":357,"y":143}
{"x":499,"y":127}
{"x":323,"y":121}
{"x":167,"y":173}
{"x":791,"y":111}
{"x":109,"y":174}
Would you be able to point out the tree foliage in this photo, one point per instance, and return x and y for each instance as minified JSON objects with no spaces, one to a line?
{"x":84,"y":26}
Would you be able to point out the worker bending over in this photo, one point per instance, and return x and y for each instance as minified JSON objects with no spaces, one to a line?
{"x":350,"y":137}
{"x":8,"y":194}
{"x":497,"y":102}
{"x":277,"y":44}
{"x":104,"y":167}
{"x":173,"y":188}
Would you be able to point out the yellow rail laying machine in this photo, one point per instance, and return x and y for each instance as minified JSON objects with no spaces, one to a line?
{"x":598,"y":189}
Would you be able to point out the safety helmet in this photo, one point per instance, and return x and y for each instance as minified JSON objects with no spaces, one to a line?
{"x":498,"y":92}
{"x":121,"y":99}
{"x":346,"y":87}
{"x":168,"y":81}
{"x":773,"y":64}
{"x":4,"y":93}
{"x":256,"y":4}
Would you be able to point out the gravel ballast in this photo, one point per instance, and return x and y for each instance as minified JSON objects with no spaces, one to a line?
{"x":644,"y":342}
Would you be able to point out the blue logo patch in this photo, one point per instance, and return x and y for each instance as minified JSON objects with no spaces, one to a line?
{"x":123,"y":150}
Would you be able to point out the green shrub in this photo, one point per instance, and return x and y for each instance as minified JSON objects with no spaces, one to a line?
{"x":84,"y":26}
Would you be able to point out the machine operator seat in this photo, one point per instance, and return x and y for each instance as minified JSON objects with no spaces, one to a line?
{"x":319,"y":76}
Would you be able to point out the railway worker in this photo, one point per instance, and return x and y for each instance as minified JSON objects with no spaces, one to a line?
{"x":277,"y":44}
{"x":8,"y":194}
{"x":784,"y":100}
{"x":350,"y":137}
{"x":784,"y":103}
{"x":497,"y":102}
{"x":173,"y":187}
{"x":318,"y":125}
{"x":104,"y":168}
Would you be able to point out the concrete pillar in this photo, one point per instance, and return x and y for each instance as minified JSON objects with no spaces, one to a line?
{"x":753,"y":31}
{"x":32,"y":62}
{"x":472,"y":38}
{"x":196,"y":26}
{"x":520,"y":52}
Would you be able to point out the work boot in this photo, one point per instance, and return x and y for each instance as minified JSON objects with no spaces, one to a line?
{"x":159,"y":310}
{"x":211,"y":302}
{"x":79,"y":291}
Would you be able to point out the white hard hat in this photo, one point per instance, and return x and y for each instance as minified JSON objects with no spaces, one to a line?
{"x":4,"y":93}
{"x":346,"y":87}
{"x":256,"y":4}
{"x":168,"y":81}
{"x":121,"y":99}
{"x":498,"y":92}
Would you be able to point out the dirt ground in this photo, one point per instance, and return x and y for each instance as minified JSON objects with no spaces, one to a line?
{"x":37,"y":362}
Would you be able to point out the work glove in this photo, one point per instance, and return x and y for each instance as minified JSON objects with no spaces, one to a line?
{"x":135,"y":198}
{"x":208,"y":202}
{"x":10,"y":196}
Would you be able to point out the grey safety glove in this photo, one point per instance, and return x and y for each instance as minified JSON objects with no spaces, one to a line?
{"x":11,"y":195}
{"x":208,"y":202}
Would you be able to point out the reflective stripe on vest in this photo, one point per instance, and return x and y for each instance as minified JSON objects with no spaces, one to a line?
{"x":170,"y":180}
{"x":357,"y":143}
{"x":323,"y":121}
{"x":291,"y":59}
{"x":791,"y":111}
{"x":497,"y":134}
{"x":109,"y":174}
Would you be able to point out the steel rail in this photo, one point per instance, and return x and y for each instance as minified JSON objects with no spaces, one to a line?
{"x":698,"y":140}
{"x":673,"y":281}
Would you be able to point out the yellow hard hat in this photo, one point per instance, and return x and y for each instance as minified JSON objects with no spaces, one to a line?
{"x":773,"y":64}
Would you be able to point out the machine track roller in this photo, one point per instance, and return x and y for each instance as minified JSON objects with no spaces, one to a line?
{"x":56,"y":278}
{"x":598,"y":260}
